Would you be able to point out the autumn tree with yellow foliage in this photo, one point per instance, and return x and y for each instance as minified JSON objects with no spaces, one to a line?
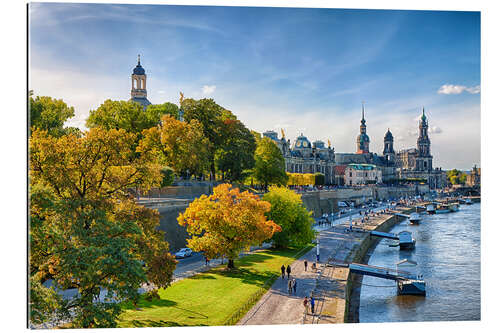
{"x":86,"y":231}
{"x":178,"y":144}
{"x":227,"y":222}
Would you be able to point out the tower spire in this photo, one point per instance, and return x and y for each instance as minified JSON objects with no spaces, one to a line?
{"x":363,"y":110}
{"x":138,"y":59}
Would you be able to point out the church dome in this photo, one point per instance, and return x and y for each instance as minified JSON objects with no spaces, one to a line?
{"x":138,"y":70}
{"x":388,"y":136}
{"x":302,"y":142}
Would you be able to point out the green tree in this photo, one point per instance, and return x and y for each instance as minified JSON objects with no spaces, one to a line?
{"x":178,"y":144}
{"x":86,"y":231}
{"x":269,"y":163}
{"x":288,"y":211}
{"x":129,"y":115}
{"x":319,"y":178}
{"x":168,"y":176}
{"x":235,"y":154}
{"x":47,"y":113}
{"x":456,"y":177}
{"x":154,"y":112}
{"x":211,"y":117}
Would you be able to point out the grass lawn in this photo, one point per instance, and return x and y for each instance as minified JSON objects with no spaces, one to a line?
{"x":209,"y":298}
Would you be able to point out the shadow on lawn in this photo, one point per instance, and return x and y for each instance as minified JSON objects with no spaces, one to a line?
{"x":143,"y":304}
{"x":246,"y":276}
{"x":158,"y":323}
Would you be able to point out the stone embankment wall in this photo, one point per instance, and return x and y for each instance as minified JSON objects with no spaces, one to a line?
{"x":321,"y":202}
{"x":359,"y":252}
{"x":318,"y":202}
{"x":175,"y":234}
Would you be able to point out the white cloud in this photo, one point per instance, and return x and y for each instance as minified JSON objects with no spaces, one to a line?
{"x":207,"y":90}
{"x":435,"y":130}
{"x":161,"y":92}
{"x":450,"y":89}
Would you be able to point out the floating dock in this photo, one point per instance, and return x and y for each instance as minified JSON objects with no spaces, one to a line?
{"x":407,"y":283}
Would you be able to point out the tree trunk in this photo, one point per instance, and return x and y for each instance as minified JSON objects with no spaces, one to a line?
{"x":230,"y":264}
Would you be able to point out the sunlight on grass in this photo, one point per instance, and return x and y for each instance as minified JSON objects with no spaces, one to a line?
{"x":208,"y":298}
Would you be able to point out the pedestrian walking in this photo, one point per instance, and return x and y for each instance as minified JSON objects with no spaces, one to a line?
{"x":312,"y":305}
{"x":305,"y":304}
{"x":282,"y":271}
{"x":288,"y":271}
{"x":290,"y":287}
{"x":305,"y":265}
{"x":294,"y":285}
{"x":206,"y":261}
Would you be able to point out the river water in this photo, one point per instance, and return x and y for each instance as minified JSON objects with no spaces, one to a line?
{"x":447,"y":253}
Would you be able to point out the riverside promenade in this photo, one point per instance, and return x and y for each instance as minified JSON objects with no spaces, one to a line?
{"x":329,"y":285}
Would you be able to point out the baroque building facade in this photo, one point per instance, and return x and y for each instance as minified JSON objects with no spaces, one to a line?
{"x":304,"y":157}
{"x":412,"y":163}
{"x":416,"y":163}
{"x":384,"y":163}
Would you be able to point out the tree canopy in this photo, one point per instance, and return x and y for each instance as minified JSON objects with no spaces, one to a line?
{"x":269,"y":163}
{"x":86,"y":232}
{"x":227,"y":222}
{"x":178,"y":144}
{"x":129,"y":115}
{"x":235,"y":154}
{"x":50,"y":114}
{"x":288,"y":211}
{"x":456,"y":177}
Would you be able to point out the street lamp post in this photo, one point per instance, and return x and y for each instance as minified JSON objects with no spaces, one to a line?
{"x":317,"y":250}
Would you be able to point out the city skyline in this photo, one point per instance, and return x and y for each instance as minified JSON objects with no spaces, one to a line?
{"x":304,"y":70}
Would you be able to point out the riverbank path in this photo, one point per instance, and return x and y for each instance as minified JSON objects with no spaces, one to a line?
{"x":327,"y":283}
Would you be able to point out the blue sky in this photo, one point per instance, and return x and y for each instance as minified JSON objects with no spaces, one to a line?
{"x":304,"y":70}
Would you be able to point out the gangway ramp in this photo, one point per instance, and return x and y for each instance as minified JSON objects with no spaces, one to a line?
{"x":384,"y":234}
{"x":407,"y":283}
{"x":381,"y":272}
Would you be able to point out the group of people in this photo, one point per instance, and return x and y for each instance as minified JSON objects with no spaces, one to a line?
{"x":292,"y":283}
{"x":308,"y":302}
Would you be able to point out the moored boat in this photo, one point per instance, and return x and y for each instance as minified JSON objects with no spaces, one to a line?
{"x":406,"y":240}
{"x":415,"y":218}
{"x":431,"y":209}
{"x":468,"y":201}
{"x":411,"y":287}
{"x":442,"y":209}
{"x":454,"y":207}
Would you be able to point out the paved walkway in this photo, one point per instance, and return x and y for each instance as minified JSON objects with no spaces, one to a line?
{"x":327,"y":284}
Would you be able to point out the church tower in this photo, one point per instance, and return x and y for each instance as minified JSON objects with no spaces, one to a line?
{"x":389,"y":153}
{"x":424,"y":158}
{"x":363,"y":142}
{"x":138,"y":93}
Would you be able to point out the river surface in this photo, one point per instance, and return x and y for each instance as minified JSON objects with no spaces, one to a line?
{"x":447,"y":253}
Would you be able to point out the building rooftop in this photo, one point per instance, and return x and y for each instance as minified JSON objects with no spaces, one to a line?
{"x":362,"y":166}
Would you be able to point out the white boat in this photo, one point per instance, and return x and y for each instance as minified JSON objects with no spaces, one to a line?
{"x":468,"y":201}
{"x":411,"y":287}
{"x":431,"y":209}
{"x":415,"y":218}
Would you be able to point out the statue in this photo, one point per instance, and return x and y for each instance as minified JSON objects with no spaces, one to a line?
{"x":329,"y":143}
{"x":282,"y":133}
{"x":181,"y":99}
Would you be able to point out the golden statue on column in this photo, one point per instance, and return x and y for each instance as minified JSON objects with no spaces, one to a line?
{"x":181,"y":98}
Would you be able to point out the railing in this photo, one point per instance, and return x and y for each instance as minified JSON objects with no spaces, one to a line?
{"x":242,"y":310}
